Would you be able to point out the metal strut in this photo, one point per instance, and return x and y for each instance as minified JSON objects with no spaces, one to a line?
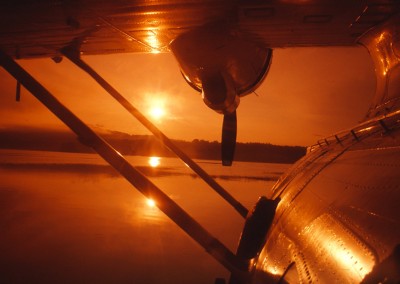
{"x":18,"y":92}
{"x":213,"y":246}
{"x":73,"y":55}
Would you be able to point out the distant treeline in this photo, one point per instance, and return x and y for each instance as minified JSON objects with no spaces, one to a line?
{"x":146,"y":145}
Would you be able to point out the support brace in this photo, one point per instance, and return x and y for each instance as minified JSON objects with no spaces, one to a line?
{"x":18,"y":92}
{"x":73,"y":55}
{"x":213,"y":246}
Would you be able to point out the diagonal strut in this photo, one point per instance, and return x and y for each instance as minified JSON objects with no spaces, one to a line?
{"x":73,"y":55}
{"x":212,"y":245}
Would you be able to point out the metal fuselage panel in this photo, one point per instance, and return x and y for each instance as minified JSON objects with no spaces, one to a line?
{"x":338,"y":219}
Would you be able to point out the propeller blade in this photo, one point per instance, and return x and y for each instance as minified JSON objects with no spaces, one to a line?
{"x":228,"y":143}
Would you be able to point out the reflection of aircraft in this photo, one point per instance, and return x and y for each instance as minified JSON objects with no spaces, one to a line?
{"x":333,"y":217}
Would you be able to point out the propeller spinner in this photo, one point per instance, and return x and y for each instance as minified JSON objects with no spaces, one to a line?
{"x":223,"y":65}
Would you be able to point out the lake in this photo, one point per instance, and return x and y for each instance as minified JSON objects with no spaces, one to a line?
{"x":70,"y":218}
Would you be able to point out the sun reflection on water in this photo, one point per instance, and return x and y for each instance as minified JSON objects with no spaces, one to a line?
{"x":154,"y":161}
{"x":149,"y":212}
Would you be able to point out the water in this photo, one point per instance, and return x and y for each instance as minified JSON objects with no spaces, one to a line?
{"x":70,"y":218}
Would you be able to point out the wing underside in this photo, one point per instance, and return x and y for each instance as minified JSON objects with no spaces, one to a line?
{"x":41,"y":28}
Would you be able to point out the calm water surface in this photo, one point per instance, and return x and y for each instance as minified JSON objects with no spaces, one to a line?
{"x":70,"y":218}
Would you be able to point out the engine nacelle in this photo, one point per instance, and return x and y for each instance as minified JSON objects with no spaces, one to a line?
{"x":221,"y":64}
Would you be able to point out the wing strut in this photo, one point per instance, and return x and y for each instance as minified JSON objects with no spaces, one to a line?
{"x":73,"y":55}
{"x":213,"y":246}
{"x":18,"y":92}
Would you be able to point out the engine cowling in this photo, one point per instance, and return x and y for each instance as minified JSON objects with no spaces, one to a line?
{"x":221,"y":64}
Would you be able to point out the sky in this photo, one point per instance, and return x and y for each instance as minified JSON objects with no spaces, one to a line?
{"x":308,"y":94}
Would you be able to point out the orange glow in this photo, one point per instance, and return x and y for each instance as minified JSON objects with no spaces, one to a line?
{"x":345,"y":249}
{"x":154,"y":161}
{"x":157,"y":112}
{"x":156,"y":108}
{"x":284,"y":102}
{"x":150,"y":202}
{"x":152,"y":40}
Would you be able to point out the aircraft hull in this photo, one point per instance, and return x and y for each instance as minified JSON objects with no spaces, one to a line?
{"x":338,"y":219}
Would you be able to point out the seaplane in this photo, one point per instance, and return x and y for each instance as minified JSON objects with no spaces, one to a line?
{"x":333,"y":217}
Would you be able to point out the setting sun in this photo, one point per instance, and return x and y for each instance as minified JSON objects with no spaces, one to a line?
{"x":156,"y":107}
{"x":150,"y":202}
{"x":157,"y":112}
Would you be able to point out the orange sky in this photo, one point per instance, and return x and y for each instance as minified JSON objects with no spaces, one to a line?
{"x":309,"y":93}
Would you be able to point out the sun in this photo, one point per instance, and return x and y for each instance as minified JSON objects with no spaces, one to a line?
{"x":156,"y":108}
{"x":150,"y":202}
{"x":157,"y":112}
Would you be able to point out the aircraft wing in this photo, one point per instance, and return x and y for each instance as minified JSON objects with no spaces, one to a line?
{"x":33,"y":28}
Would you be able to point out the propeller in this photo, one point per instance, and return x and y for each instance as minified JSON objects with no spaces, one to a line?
{"x":228,"y":141}
{"x":219,"y":94}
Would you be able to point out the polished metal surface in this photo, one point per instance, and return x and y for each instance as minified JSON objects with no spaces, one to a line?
{"x":384,"y":48}
{"x":338,"y":220}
